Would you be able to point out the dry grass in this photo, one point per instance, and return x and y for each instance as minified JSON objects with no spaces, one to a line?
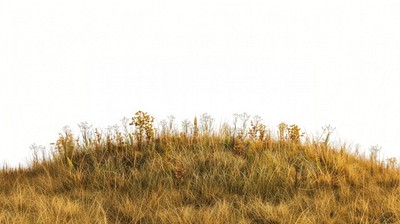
{"x":199,"y":176}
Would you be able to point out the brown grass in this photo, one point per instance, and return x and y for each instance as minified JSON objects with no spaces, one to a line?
{"x":199,"y":177}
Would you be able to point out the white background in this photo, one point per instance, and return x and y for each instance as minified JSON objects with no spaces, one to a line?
{"x":308,"y":62}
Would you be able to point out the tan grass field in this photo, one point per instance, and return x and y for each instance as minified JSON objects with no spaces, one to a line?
{"x":241,"y":173}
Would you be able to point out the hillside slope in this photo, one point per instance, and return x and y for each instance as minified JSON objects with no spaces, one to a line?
{"x":197,"y":175}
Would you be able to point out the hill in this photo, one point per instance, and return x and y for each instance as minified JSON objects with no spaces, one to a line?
{"x":242,"y":173}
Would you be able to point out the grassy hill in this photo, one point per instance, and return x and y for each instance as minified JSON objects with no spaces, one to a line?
{"x":242,"y":173}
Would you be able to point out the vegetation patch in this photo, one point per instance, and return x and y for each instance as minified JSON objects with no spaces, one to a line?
{"x":238,"y":173}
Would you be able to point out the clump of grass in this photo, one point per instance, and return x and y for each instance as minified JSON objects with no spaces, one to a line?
{"x":239,"y":174}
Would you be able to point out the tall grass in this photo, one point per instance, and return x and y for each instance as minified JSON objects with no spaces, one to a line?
{"x":241,"y":173}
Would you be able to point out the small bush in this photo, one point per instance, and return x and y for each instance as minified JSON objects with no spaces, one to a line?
{"x":144,"y":131}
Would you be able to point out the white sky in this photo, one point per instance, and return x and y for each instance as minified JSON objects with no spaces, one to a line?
{"x":308,"y":62}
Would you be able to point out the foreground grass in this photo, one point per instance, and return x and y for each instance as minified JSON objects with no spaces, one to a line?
{"x":198,"y":178}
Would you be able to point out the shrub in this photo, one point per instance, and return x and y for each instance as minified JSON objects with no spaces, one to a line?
{"x":65,"y":146}
{"x":294,"y":133}
{"x":283,"y":127}
{"x":257,"y":130}
{"x":144,"y":131}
